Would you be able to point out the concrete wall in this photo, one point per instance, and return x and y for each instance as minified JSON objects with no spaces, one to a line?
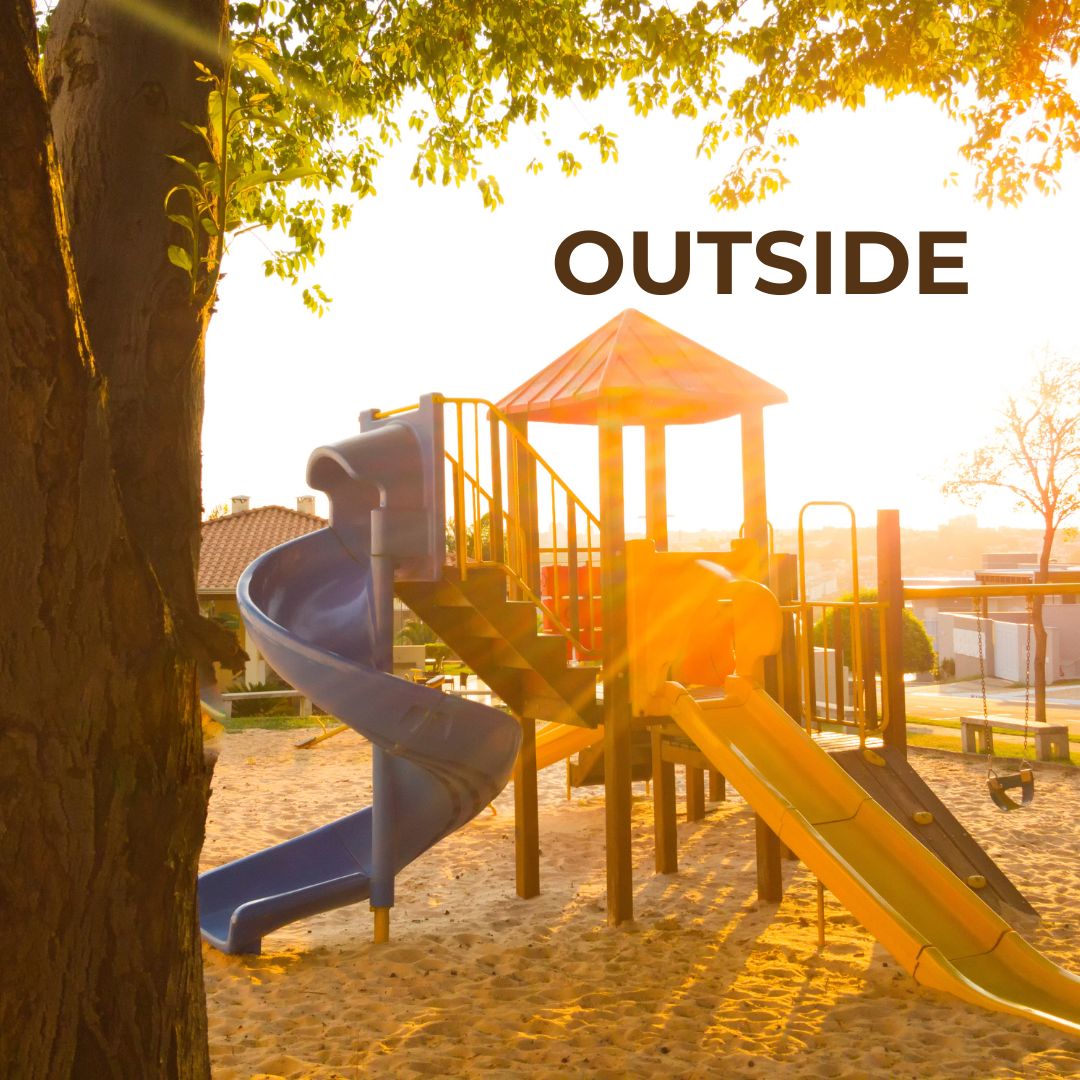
{"x":1004,"y":644}
{"x":1063,"y":622}
{"x":826,"y":658}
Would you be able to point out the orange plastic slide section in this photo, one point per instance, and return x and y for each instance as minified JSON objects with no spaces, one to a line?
{"x":931,"y":922}
{"x":557,"y":741}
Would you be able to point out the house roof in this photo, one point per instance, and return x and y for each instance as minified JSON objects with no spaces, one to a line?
{"x":231,"y":542}
{"x":648,"y":372}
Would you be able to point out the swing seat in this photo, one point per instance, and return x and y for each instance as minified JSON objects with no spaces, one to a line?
{"x":999,"y":785}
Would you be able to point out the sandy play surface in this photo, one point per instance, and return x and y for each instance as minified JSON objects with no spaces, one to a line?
{"x":706,"y":982}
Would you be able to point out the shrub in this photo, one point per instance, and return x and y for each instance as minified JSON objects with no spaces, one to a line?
{"x":918,"y":650}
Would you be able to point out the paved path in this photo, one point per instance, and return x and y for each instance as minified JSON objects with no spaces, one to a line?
{"x":953,"y":700}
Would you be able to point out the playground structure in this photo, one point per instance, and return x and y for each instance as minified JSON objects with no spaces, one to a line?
{"x":648,"y":656}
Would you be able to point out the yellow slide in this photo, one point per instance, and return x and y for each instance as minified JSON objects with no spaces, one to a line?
{"x":931,"y":922}
{"x":557,"y":741}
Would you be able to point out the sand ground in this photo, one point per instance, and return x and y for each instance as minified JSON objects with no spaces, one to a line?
{"x":705,"y":983}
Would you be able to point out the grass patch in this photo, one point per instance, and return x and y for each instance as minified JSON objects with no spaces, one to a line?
{"x":937,"y":741}
{"x":954,"y":725}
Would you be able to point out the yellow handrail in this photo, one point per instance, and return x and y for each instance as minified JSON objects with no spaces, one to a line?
{"x":514,"y":521}
{"x":806,"y":620}
{"x":525,"y":444}
{"x":949,"y":592}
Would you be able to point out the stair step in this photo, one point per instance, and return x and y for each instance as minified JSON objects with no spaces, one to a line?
{"x":500,"y":640}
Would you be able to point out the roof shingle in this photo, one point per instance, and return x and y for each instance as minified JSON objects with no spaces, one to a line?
{"x":648,"y":372}
{"x":230,"y":543}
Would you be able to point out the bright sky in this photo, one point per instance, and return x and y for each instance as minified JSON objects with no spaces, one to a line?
{"x":433,"y":293}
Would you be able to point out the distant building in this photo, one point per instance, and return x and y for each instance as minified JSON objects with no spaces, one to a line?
{"x":1004,"y":635}
{"x":228,"y":544}
{"x":928,"y":612}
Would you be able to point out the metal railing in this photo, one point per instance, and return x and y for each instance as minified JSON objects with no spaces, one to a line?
{"x":857,"y":614}
{"x":505,"y":498}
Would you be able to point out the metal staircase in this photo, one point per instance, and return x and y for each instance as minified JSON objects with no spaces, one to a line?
{"x":500,"y":640}
{"x":508,"y":514}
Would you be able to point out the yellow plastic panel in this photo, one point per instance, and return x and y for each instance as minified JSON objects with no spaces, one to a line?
{"x":558,"y":741}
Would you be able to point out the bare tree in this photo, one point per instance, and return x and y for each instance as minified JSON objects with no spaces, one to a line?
{"x":1034,"y":455}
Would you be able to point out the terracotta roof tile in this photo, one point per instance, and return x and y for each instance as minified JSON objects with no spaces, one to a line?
{"x":229,"y":543}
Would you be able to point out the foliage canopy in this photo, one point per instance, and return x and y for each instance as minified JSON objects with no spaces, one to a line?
{"x":315,"y":91}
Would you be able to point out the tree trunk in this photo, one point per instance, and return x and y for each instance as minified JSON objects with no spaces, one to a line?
{"x":120,"y":88}
{"x":102,"y":800}
{"x":1038,"y":659}
{"x":103,"y":785}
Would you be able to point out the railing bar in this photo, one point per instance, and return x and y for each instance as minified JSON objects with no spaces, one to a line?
{"x":459,"y":501}
{"x":571,"y":566}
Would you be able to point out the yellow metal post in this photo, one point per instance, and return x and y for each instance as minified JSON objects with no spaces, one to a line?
{"x":382,"y":924}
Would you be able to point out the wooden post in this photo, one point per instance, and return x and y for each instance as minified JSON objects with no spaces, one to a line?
{"x":891,"y":597}
{"x":755,"y":513}
{"x":656,"y":527}
{"x":526,"y":815}
{"x":665,"y":825}
{"x":524,"y":506}
{"x":770,"y":881}
{"x":695,"y":793}
{"x":717,"y":786}
{"x":617,"y":769}
{"x":756,"y":520}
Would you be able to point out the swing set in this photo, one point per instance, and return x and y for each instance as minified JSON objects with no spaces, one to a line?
{"x":1024,"y":777}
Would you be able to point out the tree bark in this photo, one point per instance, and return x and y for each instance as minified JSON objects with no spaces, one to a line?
{"x":121,"y":86}
{"x":103,"y":784}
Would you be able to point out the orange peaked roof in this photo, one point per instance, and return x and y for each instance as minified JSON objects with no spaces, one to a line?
{"x":647,"y":372}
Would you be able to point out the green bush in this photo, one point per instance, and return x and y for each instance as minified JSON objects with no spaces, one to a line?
{"x":415,"y":632}
{"x":918,"y":649}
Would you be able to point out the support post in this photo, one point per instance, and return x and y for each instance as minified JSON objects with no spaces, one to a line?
{"x":383,"y":842}
{"x":523,"y":502}
{"x":617,"y":767}
{"x":891,"y":597}
{"x":656,"y":527}
{"x":383,"y":779}
{"x":664,"y":822}
{"x":695,"y":793}
{"x":755,"y":512}
{"x":717,"y":786}
{"x":770,"y":882}
{"x":756,"y":520}
{"x":526,"y":815}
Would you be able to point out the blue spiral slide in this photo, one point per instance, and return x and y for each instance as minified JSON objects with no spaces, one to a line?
{"x":320,"y":609}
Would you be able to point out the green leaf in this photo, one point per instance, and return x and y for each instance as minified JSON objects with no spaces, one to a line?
{"x":183,"y":222}
{"x":179,"y":257}
{"x":297,"y":172}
